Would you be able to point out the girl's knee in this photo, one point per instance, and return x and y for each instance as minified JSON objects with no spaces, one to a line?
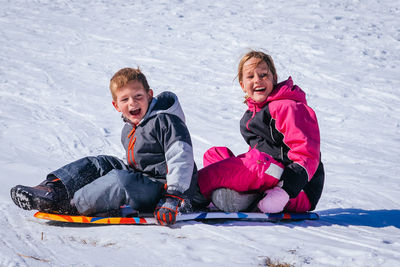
{"x":216,"y":154}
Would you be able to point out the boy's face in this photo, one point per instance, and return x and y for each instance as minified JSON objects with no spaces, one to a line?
{"x":133,"y":101}
{"x":258,"y":81}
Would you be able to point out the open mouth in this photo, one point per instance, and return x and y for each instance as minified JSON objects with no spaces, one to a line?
{"x":135,"y":112}
{"x":259,"y":89}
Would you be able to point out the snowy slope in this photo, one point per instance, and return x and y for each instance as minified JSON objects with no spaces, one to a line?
{"x":56,"y":59}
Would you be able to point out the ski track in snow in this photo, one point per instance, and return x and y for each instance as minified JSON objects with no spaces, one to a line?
{"x":57,"y":57}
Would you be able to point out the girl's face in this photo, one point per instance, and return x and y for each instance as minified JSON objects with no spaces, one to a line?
{"x":257,"y":81}
{"x":133,"y":101}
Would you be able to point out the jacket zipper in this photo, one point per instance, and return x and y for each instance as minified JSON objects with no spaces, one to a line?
{"x":252,"y":116}
{"x":131,"y":145}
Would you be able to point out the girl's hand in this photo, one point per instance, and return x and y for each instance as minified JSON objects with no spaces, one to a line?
{"x":274,"y":201}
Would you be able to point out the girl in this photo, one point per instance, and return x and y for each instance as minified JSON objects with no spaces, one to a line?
{"x":282,"y":169}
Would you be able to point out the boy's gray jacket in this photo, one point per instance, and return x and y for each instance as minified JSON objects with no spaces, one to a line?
{"x":160,"y":145}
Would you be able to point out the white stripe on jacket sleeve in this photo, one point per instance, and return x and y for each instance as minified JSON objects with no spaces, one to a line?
{"x":180,"y":162}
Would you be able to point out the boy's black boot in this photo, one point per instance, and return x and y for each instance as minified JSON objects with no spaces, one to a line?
{"x":229,"y":200}
{"x":48,"y":196}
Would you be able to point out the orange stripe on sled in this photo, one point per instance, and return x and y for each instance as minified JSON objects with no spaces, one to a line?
{"x":67,"y":218}
{"x":95,"y":220}
{"x":54,"y":217}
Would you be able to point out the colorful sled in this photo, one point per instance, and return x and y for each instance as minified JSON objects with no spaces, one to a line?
{"x":181,"y":217}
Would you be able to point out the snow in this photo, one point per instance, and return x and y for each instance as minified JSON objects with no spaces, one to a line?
{"x":57,"y":57}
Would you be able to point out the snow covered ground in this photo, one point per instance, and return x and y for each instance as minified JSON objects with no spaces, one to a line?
{"x":56,"y":59}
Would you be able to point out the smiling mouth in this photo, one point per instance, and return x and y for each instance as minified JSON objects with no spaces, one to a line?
{"x":259,"y":89}
{"x":135,"y":112}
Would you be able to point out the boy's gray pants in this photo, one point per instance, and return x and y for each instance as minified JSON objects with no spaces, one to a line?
{"x":102,"y":183}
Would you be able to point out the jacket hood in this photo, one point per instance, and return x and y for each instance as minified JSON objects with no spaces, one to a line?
{"x":283,"y":90}
{"x":165,"y":102}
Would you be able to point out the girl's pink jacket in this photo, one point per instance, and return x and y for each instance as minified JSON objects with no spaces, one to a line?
{"x":285,"y":128}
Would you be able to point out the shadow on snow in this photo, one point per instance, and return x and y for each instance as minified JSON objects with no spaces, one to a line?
{"x":343,"y":217}
{"x":360,"y":217}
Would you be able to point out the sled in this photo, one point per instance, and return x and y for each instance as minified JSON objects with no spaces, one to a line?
{"x":252,"y":216}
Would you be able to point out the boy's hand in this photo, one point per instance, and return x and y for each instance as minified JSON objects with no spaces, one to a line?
{"x":167,"y":209}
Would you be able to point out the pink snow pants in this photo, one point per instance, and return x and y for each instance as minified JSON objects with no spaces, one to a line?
{"x":253,"y":171}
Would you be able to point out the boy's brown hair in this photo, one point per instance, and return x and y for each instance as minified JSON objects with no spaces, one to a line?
{"x":125,"y":75}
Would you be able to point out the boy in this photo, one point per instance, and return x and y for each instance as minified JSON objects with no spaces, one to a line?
{"x":159,"y":153}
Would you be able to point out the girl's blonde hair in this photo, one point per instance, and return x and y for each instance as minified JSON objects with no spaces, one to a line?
{"x":125,"y":75}
{"x":259,"y":55}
